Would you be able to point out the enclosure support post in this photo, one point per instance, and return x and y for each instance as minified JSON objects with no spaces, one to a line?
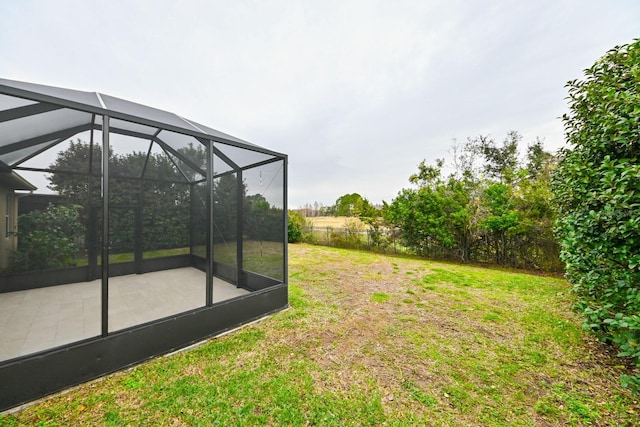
{"x":138,"y":244}
{"x":105,"y":225}
{"x":240,"y":228}
{"x":91,"y":232}
{"x":285,"y":209}
{"x":192,"y":210}
{"x":210,"y":224}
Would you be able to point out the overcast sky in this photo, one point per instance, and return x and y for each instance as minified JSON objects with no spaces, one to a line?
{"x":357,"y":93}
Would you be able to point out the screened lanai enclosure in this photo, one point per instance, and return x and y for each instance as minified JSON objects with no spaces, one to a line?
{"x":126,"y":232}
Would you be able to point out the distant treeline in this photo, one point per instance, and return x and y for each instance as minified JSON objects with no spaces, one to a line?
{"x":494,"y":207}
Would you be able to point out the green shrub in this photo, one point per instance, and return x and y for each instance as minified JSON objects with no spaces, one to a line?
{"x":48,"y":238}
{"x":597,"y":187}
{"x":295,"y":226}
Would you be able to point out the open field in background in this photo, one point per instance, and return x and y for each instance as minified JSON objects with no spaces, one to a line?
{"x":372,"y":340}
{"x":333,"y":221}
{"x":352,"y":233}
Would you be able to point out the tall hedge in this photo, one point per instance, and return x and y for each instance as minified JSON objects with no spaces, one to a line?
{"x":597,"y":188}
{"x":48,"y":239}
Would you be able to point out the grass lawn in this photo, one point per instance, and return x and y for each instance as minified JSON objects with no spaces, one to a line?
{"x":129,"y":256}
{"x":370,"y":340}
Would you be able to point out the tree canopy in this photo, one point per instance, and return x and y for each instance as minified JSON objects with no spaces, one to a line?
{"x":499,"y":212}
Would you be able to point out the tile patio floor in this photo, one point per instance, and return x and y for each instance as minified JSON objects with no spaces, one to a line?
{"x":38,"y":319}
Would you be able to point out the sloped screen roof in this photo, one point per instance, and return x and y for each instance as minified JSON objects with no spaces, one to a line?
{"x":34,"y":118}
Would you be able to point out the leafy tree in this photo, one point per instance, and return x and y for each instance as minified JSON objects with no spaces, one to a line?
{"x":427,"y":176}
{"x":375,"y":221}
{"x":82,"y":158}
{"x":537,"y":247}
{"x":296,"y":225}
{"x":539,"y":161}
{"x":351,"y":205}
{"x":421,"y":213}
{"x":354,"y":205}
{"x":440,"y":218}
{"x":502,"y":221}
{"x":501,"y":162}
{"x":462,"y":216}
{"x":597,"y":188}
